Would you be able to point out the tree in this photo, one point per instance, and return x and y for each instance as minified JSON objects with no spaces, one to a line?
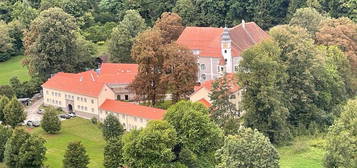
{"x":341,"y":32}
{"x":146,"y":52}
{"x":342,"y":139}
{"x":261,"y":74}
{"x":112,"y":128}
{"x":113,"y":153}
{"x":180,"y":67}
{"x":123,"y":35}
{"x":151,"y":146}
{"x":3,"y":102}
{"x":308,"y":18}
{"x":14,"y":113}
{"x":196,"y":133}
{"x":299,"y":56}
{"x":340,"y":8}
{"x":249,"y":148}
{"x":6,"y":90}
{"x":50,"y":43}
{"x":50,"y":121}
{"x":16,"y":29}
{"x":85,"y":51}
{"x":32,"y":153}
{"x":13,"y":146}
{"x":6,"y":46}
{"x":170,"y":25}
{"x":75,"y":156}
{"x":24,"y":13}
{"x":185,"y":9}
{"x":5,"y":134}
{"x":223,"y":112}
{"x":293,"y":6}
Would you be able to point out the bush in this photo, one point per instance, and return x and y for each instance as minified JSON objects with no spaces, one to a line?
{"x":50,"y":121}
{"x":94,"y":120}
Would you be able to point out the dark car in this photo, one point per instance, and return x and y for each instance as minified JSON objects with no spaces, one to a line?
{"x":65,"y":116}
{"x":33,"y":123}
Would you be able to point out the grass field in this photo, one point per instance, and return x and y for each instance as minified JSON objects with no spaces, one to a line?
{"x":74,"y":130}
{"x":305,"y":152}
{"x":11,"y":68}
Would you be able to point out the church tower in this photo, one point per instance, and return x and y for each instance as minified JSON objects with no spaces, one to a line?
{"x":226,"y":49}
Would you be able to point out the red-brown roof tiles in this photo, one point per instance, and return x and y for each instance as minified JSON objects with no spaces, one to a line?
{"x":133,"y":109}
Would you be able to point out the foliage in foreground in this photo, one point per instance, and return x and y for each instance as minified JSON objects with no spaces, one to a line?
{"x":249,"y":148}
{"x":342,"y":139}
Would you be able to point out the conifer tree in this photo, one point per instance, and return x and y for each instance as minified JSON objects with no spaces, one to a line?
{"x":13,"y":146}
{"x":113,"y":157}
{"x":3,"y":102}
{"x":32,"y":153}
{"x":5,"y":134}
{"x":112,"y":127}
{"x":14,"y":113}
{"x":75,"y":156}
{"x":50,"y":121}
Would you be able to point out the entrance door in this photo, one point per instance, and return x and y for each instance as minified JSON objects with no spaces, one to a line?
{"x":70,"y":108}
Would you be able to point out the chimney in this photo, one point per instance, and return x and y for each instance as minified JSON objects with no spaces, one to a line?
{"x":81,"y":79}
{"x":243,"y":24}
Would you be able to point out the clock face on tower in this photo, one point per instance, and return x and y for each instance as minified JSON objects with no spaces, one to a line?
{"x":225,"y":45}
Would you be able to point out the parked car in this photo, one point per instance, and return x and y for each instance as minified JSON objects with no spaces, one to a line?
{"x":40,"y":111}
{"x":33,"y":123}
{"x":65,"y":116}
{"x":72,"y":114}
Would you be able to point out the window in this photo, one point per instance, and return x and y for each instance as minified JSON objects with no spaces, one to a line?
{"x":85,"y":100}
{"x":203,"y":77}
{"x":203,"y":66}
{"x":118,"y":97}
{"x":78,"y":107}
{"x":78,"y":98}
{"x":59,"y":94}
{"x":81,"y":98}
{"x":72,"y":97}
{"x":236,"y":68}
{"x":126,"y":97}
{"x":92,"y":109}
{"x":85,"y":108}
{"x":225,"y":51}
{"x":135,"y":119}
{"x":195,"y":52}
{"x":47,"y":92}
{"x":92,"y":101}
{"x":233,"y":96}
{"x":141,"y":120}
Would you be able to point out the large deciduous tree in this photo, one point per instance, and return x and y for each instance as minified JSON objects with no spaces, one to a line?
{"x":180,"y":71}
{"x":342,"y":139}
{"x":13,"y":146}
{"x":50,"y":121}
{"x":341,"y":32}
{"x":223,"y":111}
{"x":123,"y":35}
{"x":249,"y":148}
{"x":147,"y":53}
{"x":261,"y":74}
{"x":75,"y":156}
{"x":150,"y":147}
{"x":185,"y":9}
{"x":170,"y":25}
{"x":340,"y":8}
{"x":112,"y":128}
{"x":32,"y":153}
{"x":14,"y":113}
{"x":50,"y":43}
{"x":198,"y":136}
{"x":308,"y":18}
{"x":6,"y":46}
{"x":113,"y":153}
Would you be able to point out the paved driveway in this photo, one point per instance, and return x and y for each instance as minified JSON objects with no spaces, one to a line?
{"x":32,"y":111}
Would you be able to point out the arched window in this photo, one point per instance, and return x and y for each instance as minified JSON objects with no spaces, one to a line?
{"x":118,"y":97}
{"x":203,"y":77}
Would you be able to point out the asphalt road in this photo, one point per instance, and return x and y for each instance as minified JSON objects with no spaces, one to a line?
{"x":32,"y":111}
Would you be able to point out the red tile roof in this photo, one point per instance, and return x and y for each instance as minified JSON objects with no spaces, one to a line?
{"x":208,"y":39}
{"x":205,"y":102}
{"x":90,"y":83}
{"x":133,"y":109}
{"x":232,"y":81}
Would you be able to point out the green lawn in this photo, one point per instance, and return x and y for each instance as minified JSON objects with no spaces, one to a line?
{"x":74,"y":130}
{"x":305,"y":152}
{"x":11,"y":68}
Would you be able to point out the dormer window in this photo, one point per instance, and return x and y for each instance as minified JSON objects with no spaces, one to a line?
{"x":196,"y":52}
{"x":225,"y":51}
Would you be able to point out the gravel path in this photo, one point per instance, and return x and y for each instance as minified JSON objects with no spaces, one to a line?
{"x":32,"y":111}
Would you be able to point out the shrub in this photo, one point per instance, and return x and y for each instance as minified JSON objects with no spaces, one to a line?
{"x":50,"y":121}
{"x":94,"y":120}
